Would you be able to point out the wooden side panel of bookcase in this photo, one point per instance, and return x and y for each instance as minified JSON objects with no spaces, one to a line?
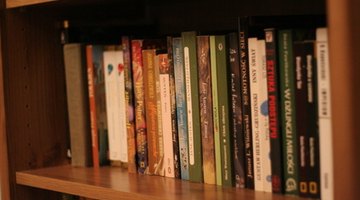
{"x":35,"y":97}
{"x":344,"y":31}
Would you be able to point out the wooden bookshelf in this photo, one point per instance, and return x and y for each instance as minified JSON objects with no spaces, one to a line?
{"x":115,"y":183}
{"x":33,"y":118}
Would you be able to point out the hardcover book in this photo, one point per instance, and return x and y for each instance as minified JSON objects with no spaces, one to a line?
{"x":78,"y":104}
{"x":207,"y":133}
{"x":193,"y":105}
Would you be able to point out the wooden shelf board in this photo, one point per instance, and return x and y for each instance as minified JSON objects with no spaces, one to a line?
{"x":115,"y":183}
{"x":19,"y":3}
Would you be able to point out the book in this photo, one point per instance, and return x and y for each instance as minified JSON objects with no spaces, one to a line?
{"x":151,"y":110}
{"x":77,"y":104}
{"x":193,"y":105}
{"x":312,"y":142}
{"x":325,"y":115}
{"x":165,"y":98}
{"x":215,"y":107}
{"x":238,"y":154}
{"x":181,"y":109}
{"x":253,"y":53}
{"x":264,"y":116}
{"x":223,"y":80}
{"x":245,"y":96}
{"x":288,"y":114}
{"x":97,"y":102}
{"x":129,"y":101}
{"x":207,"y":133}
{"x":274,"y":112}
{"x":115,"y":104}
{"x":175,"y":135}
{"x":139,"y":101}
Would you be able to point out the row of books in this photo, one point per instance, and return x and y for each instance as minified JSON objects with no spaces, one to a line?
{"x":241,"y":109}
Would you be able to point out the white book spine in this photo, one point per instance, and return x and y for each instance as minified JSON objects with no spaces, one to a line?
{"x":189,"y":107}
{"x":167,"y":125}
{"x":264,"y":117}
{"x":324,"y":106}
{"x":255,"y":114}
{"x":115,"y":105}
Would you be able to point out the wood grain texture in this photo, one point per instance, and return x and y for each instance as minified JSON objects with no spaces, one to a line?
{"x":115,"y":183}
{"x":4,"y":176}
{"x":36,"y":118}
{"x":344,"y":30}
{"x":18,"y":3}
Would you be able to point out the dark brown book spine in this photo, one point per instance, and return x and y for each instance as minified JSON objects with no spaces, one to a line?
{"x":245,"y":96}
{"x":207,"y":129}
{"x":238,"y":153}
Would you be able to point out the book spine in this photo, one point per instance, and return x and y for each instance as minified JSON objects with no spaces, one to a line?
{"x":207,"y":135}
{"x":78,"y":107}
{"x":214,"y":79}
{"x":288,"y":115}
{"x":313,"y":153}
{"x":151,"y":108}
{"x":301,"y":117}
{"x":160,"y":170}
{"x":174,"y":131}
{"x":129,"y":101}
{"x":274,"y":113}
{"x":325,"y":115}
{"x":92,"y":103}
{"x":192,"y":98}
{"x":115,"y":103}
{"x":238,"y":154}
{"x":245,"y":96}
{"x":256,"y":137}
{"x":264,"y":116}
{"x":140,"y":122}
{"x":166,"y":115}
{"x":181,"y":109}
{"x":224,"y":110}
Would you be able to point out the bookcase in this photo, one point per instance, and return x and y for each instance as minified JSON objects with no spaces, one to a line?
{"x":33,"y":118}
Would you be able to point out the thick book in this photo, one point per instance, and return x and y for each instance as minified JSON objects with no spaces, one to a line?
{"x":151,"y":111}
{"x":246,"y":104}
{"x":324,"y":114}
{"x":78,"y":104}
{"x":139,"y":101}
{"x":238,"y":152}
{"x":264,"y":116}
{"x":115,"y":104}
{"x":288,"y":114}
{"x":215,"y":107}
{"x":175,"y":136}
{"x":223,"y":80}
{"x":181,"y":110}
{"x":97,"y":102}
{"x":166,"y":122}
{"x":193,"y":105}
{"x":207,"y":133}
{"x":129,"y":101}
{"x":274,"y":112}
{"x":313,"y":150}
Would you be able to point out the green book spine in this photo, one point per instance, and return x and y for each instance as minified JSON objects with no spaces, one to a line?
{"x":218,"y":166}
{"x":193,"y":108}
{"x":287,"y":106}
{"x":222,"y":69}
